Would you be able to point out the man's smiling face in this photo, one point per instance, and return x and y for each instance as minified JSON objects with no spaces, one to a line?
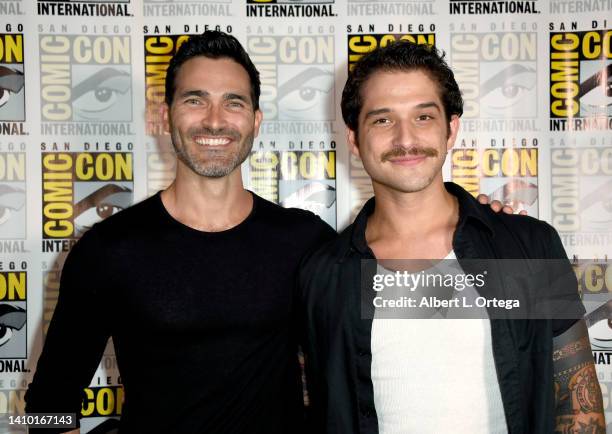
{"x":403,"y":133}
{"x":211,"y":120}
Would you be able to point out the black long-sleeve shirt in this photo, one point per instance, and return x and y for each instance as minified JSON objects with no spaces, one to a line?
{"x":202,"y":323}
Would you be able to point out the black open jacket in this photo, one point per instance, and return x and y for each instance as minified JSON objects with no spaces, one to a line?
{"x":338,"y":341}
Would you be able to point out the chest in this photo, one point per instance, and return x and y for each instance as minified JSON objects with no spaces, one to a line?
{"x":178,"y":288}
{"x":422,"y":246}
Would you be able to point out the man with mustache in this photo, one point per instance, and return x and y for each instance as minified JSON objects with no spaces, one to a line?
{"x":369,"y":369}
{"x":195,"y":285}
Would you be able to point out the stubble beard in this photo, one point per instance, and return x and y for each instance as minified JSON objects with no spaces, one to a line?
{"x":212,"y":168}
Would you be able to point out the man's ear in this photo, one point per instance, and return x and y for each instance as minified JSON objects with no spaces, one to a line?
{"x":453,"y":127}
{"x":257,"y":122}
{"x":351,"y":140}
{"x":164,"y":111}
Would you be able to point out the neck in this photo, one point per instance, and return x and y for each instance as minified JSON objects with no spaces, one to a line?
{"x":207,"y":204}
{"x":419,"y":224}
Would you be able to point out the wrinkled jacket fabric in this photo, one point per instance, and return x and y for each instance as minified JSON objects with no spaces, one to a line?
{"x":337,"y":341}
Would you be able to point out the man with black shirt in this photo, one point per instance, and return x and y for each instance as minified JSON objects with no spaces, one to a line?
{"x":194,"y":285}
{"x":368,"y":373}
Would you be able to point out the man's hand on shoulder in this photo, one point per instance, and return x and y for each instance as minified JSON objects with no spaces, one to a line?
{"x":497,"y":206}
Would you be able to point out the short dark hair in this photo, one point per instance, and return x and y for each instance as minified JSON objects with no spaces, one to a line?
{"x":214,"y":45}
{"x":401,"y":56}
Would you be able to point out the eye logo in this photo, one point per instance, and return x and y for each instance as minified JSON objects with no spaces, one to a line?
{"x":85,"y":79}
{"x":510,"y":92}
{"x":581,"y":199}
{"x":599,"y":322}
{"x":596,"y":208}
{"x":601,"y":335}
{"x":306,"y":96}
{"x":100,"y":204}
{"x":105,"y":95}
{"x":496,"y":73}
{"x":12,"y":195}
{"x":12,"y":209}
{"x":520,"y":195}
{"x":12,"y":321}
{"x":12,"y":80}
{"x":315,"y":197}
{"x":595,"y":92}
{"x":13,"y":301}
{"x":11,"y":95}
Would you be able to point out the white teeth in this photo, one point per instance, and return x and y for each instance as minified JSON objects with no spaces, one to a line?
{"x":207,"y":141}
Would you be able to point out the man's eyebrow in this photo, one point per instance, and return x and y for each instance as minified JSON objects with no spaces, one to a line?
{"x":428,"y":104}
{"x":198,"y":93}
{"x":422,"y":105}
{"x":204,"y":94}
{"x":230,"y":96}
{"x":376,"y":112}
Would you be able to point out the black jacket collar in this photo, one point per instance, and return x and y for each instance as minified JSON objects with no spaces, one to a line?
{"x":469,"y":211}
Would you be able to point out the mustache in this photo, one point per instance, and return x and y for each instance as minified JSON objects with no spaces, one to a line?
{"x":400,"y":151}
{"x":220,"y":132}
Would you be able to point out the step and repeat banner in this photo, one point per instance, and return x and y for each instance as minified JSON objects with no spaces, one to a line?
{"x":81,"y":84}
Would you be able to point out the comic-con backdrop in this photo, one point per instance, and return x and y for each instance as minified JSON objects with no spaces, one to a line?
{"x":81,"y":84}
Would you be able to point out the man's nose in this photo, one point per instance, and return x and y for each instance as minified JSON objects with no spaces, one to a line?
{"x":405,"y":134}
{"x":214,"y":117}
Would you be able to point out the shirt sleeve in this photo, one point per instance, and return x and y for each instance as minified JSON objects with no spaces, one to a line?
{"x":77,"y":334}
{"x":321,"y":234}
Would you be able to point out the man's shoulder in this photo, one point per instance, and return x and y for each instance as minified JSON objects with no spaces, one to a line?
{"x":534,"y":235}
{"x":331,"y":252}
{"x":499,"y":223}
{"x":518,"y":223}
{"x":324,"y":265}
